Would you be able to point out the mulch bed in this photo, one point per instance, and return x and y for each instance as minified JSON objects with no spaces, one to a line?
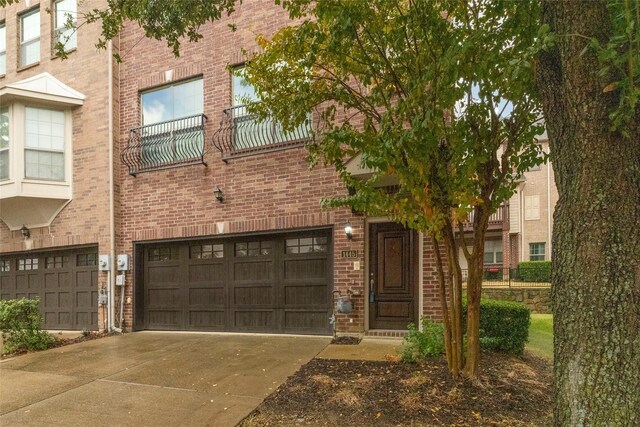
{"x":510,"y":392}
{"x":61,"y":342}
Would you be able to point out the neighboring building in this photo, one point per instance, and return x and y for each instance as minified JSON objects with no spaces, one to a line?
{"x":54,"y":177}
{"x":217,"y":217}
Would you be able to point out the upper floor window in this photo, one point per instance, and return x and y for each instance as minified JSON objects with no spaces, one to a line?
{"x":66,"y":12}
{"x":3,"y":48}
{"x":4,"y":143}
{"x":531,"y":207}
{"x":172,"y":102}
{"x":30,"y":38}
{"x":536,"y":251}
{"x":44,"y":144}
{"x":172,"y":132}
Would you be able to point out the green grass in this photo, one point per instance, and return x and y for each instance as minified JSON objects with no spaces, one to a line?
{"x":541,"y":335}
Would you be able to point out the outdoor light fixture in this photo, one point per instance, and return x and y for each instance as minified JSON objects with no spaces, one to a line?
{"x":348,"y":231}
{"x":218,"y":193}
{"x":26,"y":233}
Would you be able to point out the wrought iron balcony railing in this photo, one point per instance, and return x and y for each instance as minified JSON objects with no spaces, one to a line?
{"x":243,"y":134}
{"x":166,"y":145}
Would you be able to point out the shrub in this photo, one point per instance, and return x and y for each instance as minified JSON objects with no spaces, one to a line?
{"x":504,"y":325}
{"x":419,"y":345}
{"x":21,"y":326}
{"x":534,"y":271}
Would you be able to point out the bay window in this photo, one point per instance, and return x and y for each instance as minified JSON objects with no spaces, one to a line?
{"x":4,"y":143}
{"x":44,"y":144}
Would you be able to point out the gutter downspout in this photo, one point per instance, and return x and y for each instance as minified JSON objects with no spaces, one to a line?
{"x":112,"y":222}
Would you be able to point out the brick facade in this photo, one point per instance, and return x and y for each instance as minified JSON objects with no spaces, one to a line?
{"x":266,"y":192}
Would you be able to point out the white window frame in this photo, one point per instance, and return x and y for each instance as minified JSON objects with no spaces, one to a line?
{"x":60,"y":29}
{"x":3,"y":51}
{"x":23,"y":42}
{"x":45,"y":150}
{"x":490,"y":247}
{"x":538,"y":255}
{"x":8,"y":147}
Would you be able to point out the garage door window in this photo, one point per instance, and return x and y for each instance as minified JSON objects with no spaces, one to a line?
{"x":27,"y":264}
{"x":87,"y":260}
{"x":163,"y":254}
{"x":206,"y":251}
{"x":261,"y":248}
{"x":56,"y":262}
{"x":5,"y":265}
{"x":305,"y":245}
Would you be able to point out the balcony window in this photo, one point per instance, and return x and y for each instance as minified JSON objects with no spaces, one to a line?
{"x":44,"y":144}
{"x":4,"y":143}
{"x":3,"y":49}
{"x":244,"y":133}
{"x":30,"y":38}
{"x":172,"y":131}
{"x":536,"y":251}
{"x":65,"y":11}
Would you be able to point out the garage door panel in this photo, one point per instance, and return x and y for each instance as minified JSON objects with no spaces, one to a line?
{"x":208,"y":319}
{"x":165,"y":319}
{"x":253,"y":271}
{"x":164,"y":275}
{"x":305,"y":269}
{"x":208,"y":273}
{"x":305,"y":321}
{"x":253,"y":295}
{"x":305,"y":295}
{"x":208,"y":297}
{"x":254,"y":320}
{"x":169,"y":297}
{"x":86,"y":279}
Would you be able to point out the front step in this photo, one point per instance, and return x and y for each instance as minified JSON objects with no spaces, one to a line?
{"x":386,"y":333}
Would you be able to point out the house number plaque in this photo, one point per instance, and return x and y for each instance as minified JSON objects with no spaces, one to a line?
{"x":349,"y":254}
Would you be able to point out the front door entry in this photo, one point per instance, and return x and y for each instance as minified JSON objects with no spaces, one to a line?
{"x":393,"y":288}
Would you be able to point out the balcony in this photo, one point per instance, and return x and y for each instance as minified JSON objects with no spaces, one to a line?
{"x":498,"y":221}
{"x":242,"y":134}
{"x":166,"y":145}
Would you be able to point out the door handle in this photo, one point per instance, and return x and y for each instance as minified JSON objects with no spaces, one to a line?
{"x":372,"y":294}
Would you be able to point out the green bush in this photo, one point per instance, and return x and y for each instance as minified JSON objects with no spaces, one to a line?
{"x":504,"y":325}
{"x":534,"y":271}
{"x":419,"y":345}
{"x":21,"y":326}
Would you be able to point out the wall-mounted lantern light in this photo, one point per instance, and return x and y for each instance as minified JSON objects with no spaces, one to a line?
{"x":218,"y":193}
{"x":348,"y":231}
{"x":26,"y":233}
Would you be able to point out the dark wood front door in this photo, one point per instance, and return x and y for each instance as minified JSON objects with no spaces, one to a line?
{"x":393,"y":296}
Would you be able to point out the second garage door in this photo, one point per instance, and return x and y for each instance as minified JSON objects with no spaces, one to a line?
{"x":279,"y":284}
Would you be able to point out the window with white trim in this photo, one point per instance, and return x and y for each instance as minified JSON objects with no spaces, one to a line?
{"x":66,"y":12}
{"x":44,"y":144}
{"x":536,"y":251}
{"x":30,"y":38}
{"x":4,"y":143}
{"x":3,"y":48}
{"x":493,"y":252}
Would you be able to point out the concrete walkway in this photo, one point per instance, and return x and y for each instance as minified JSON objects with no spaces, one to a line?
{"x":149,"y":378}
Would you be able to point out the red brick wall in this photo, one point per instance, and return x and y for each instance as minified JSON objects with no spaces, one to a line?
{"x":85,"y":219}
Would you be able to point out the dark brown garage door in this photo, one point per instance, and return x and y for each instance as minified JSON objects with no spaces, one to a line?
{"x":65,"y":281}
{"x":278,"y":284}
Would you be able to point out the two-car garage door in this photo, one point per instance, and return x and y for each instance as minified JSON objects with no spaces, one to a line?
{"x":65,"y":281}
{"x":274,"y":283}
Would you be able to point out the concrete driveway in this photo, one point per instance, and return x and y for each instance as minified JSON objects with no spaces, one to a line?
{"x":149,"y":378}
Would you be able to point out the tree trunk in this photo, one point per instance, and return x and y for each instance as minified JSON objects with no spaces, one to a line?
{"x":596,"y":236}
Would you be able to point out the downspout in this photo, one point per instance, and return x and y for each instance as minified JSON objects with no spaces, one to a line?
{"x":521,"y":201}
{"x":112,"y":221}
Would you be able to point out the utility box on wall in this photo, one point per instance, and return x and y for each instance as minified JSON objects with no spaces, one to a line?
{"x":122,"y":262}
